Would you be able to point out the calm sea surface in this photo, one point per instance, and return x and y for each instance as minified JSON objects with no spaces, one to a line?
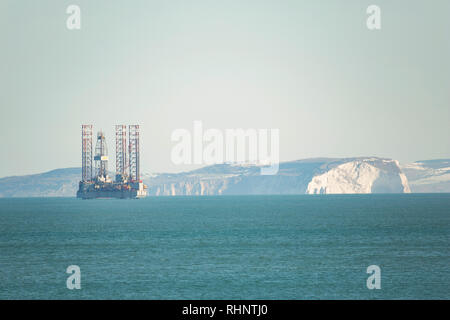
{"x":246,"y":247}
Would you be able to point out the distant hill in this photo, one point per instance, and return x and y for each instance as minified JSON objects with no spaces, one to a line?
{"x":55,"y":183}
{"x":428,"y":176}
{"x":309,"y":176}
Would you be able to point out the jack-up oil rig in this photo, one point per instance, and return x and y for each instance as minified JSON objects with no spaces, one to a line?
{"x":98,"y":184}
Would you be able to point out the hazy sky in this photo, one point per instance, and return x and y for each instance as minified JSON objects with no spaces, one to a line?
{"x":310,"y":68}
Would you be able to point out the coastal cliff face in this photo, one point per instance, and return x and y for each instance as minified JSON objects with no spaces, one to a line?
{"x":361,"y":176}
{"x":311,"y":176}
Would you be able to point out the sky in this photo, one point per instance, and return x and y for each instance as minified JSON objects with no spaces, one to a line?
{"x":311,"y":69}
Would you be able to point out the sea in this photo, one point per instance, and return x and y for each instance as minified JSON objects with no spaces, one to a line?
{"x":227,"y":247}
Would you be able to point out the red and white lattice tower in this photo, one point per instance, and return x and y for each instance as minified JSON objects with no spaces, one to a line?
{"x":86,"y":152}
{"x":121,"y":150}
{"x":134,"y":165}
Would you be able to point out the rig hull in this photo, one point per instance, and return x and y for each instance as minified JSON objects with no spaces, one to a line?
{"x":89,"y":190}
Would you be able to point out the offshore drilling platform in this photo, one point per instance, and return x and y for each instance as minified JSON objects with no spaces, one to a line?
{"x":95,"y":181}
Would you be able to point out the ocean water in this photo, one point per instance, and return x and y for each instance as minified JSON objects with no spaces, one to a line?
{"x":243,"y":247}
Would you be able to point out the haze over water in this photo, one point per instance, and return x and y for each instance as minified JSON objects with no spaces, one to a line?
{"x":245,"y":247}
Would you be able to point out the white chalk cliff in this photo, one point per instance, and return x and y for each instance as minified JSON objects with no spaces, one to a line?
{"x":361,"y":176}
{"x":310,"y":176}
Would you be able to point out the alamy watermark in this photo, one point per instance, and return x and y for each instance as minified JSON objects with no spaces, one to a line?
{"x":374,"y":19}
{"x":240,"y":146}
{"x":74,"y":280}
{"x":73,"y":22}
{"x":374,"y":280}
